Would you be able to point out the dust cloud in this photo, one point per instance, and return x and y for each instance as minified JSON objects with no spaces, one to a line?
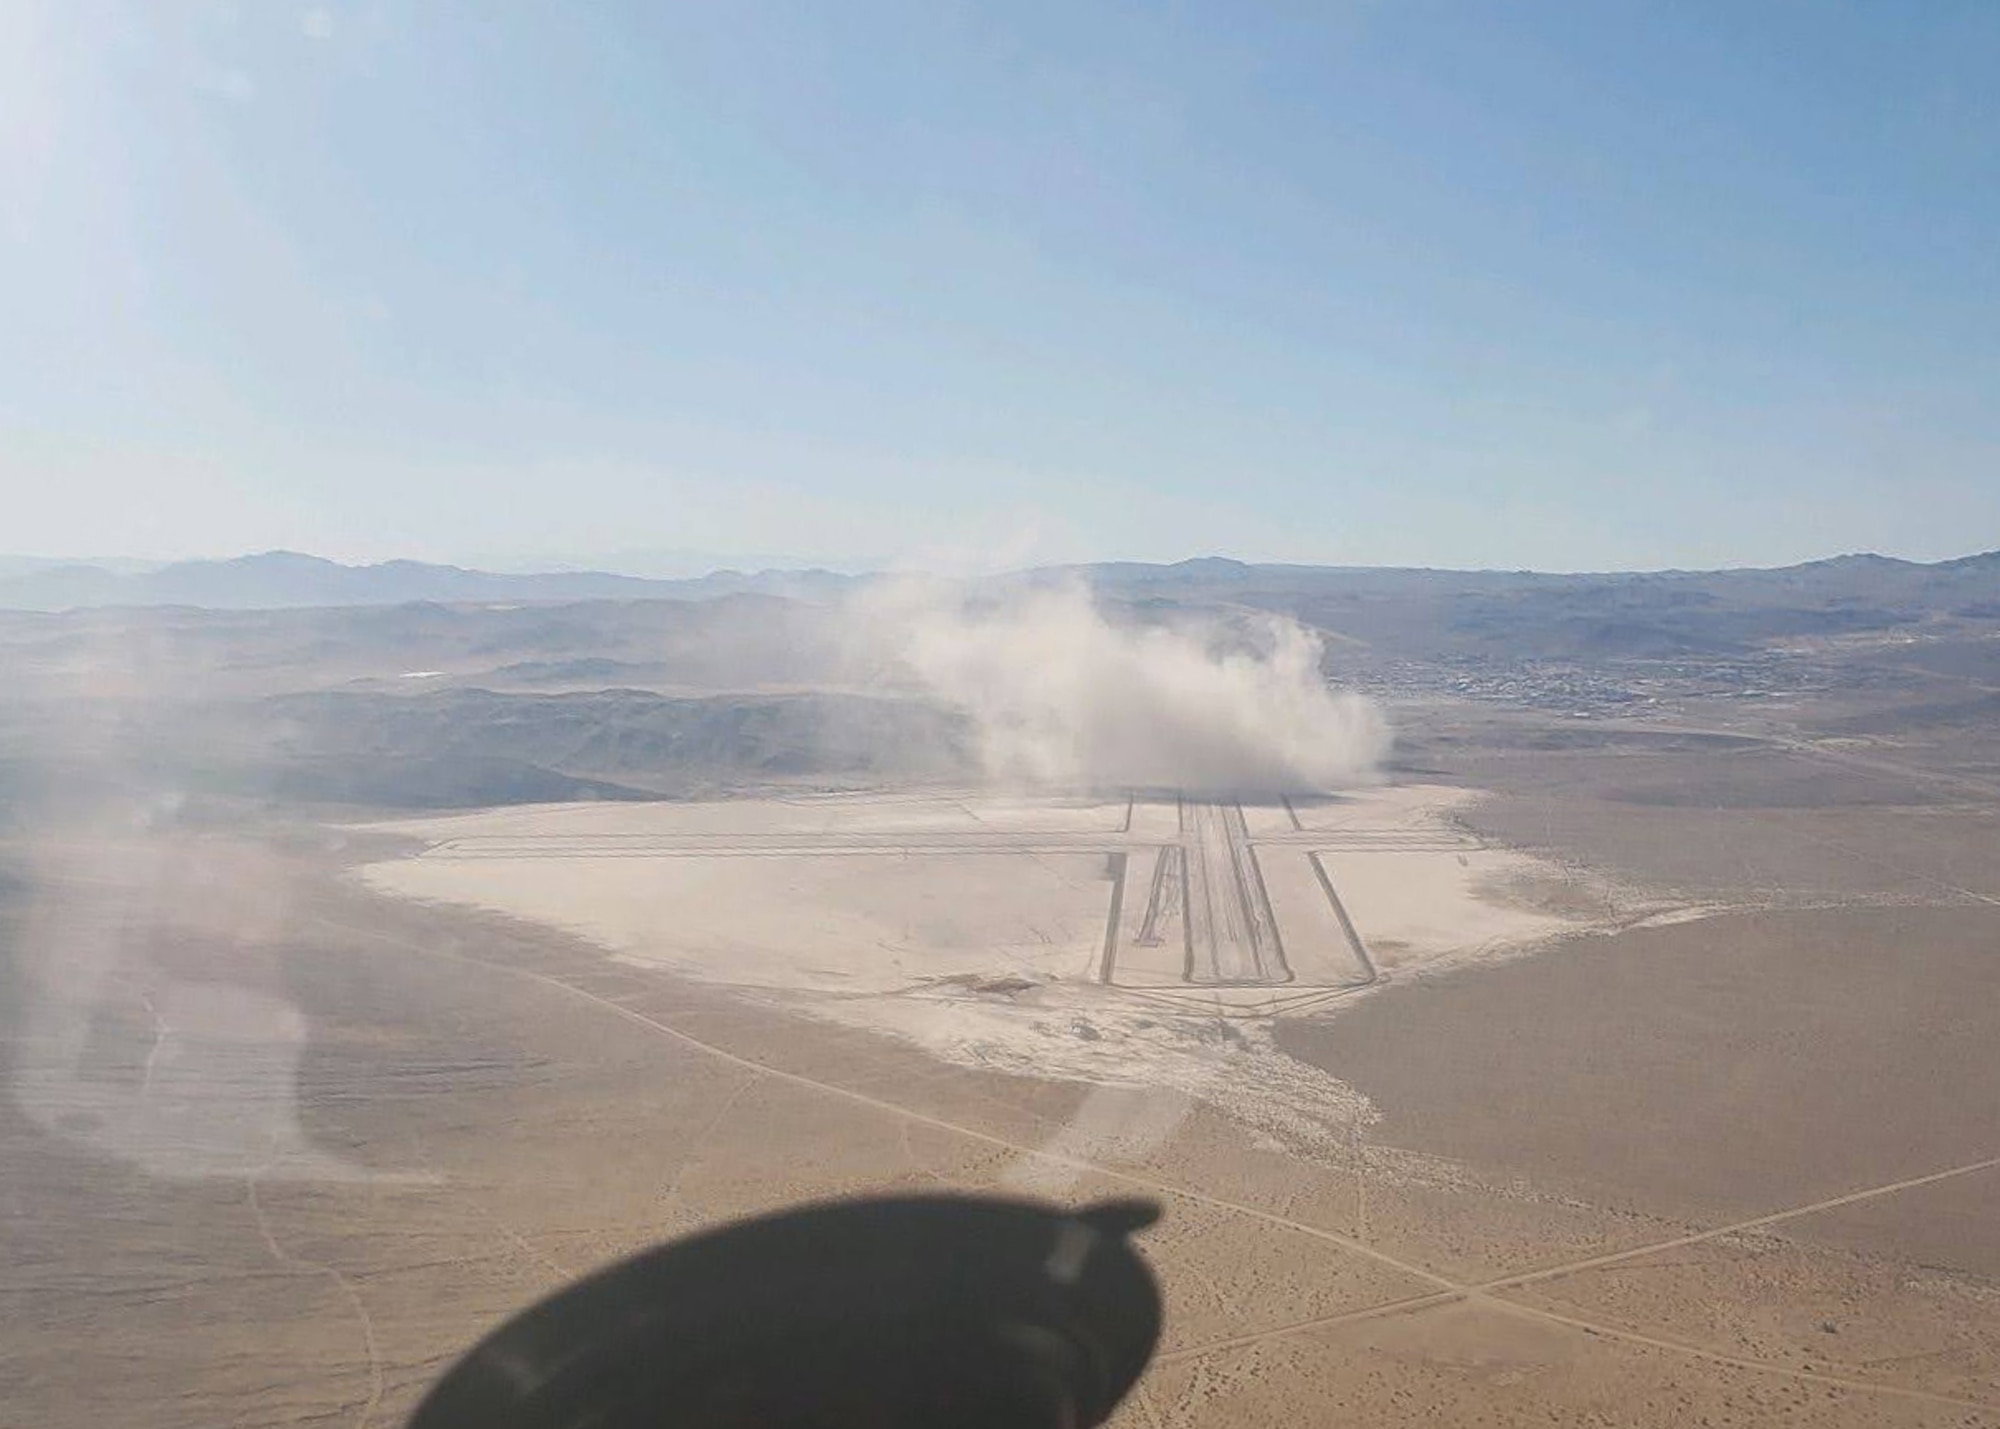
{"x":1060,"y":694}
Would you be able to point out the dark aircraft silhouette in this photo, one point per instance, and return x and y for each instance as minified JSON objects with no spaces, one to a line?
{"x":886,"y":1313}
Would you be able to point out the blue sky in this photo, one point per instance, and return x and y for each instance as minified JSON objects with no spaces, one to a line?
{"x":1570,"y":286}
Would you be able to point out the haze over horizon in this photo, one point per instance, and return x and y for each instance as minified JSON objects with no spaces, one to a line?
{"x":1564,"y":287}
{"x":688,"y":565}
{"x":692,"y":565}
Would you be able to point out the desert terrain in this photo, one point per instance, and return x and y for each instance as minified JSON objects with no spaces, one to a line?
{"x":1618,"y":1052}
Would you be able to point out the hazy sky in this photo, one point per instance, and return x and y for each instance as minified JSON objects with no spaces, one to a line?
{"x":1586,"y":285}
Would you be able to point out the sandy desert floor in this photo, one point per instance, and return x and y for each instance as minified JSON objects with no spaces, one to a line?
{"x":1056,"y":937}
{"x":1484,"y":1141}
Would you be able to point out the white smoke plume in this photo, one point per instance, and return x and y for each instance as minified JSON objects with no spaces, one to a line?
{"x":1061,"y":695}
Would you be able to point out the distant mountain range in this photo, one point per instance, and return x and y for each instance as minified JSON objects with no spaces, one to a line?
{"x":285,"y":579}
{"x":288,"y":580}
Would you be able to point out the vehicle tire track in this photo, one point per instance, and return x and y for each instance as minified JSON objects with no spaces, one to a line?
{"x":889,"y":1108}
{"x":1487,"y":1292}
{"x":1449,"y":1291}
{"x":1772,"y":1218}
{"x":283,"y":1257}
